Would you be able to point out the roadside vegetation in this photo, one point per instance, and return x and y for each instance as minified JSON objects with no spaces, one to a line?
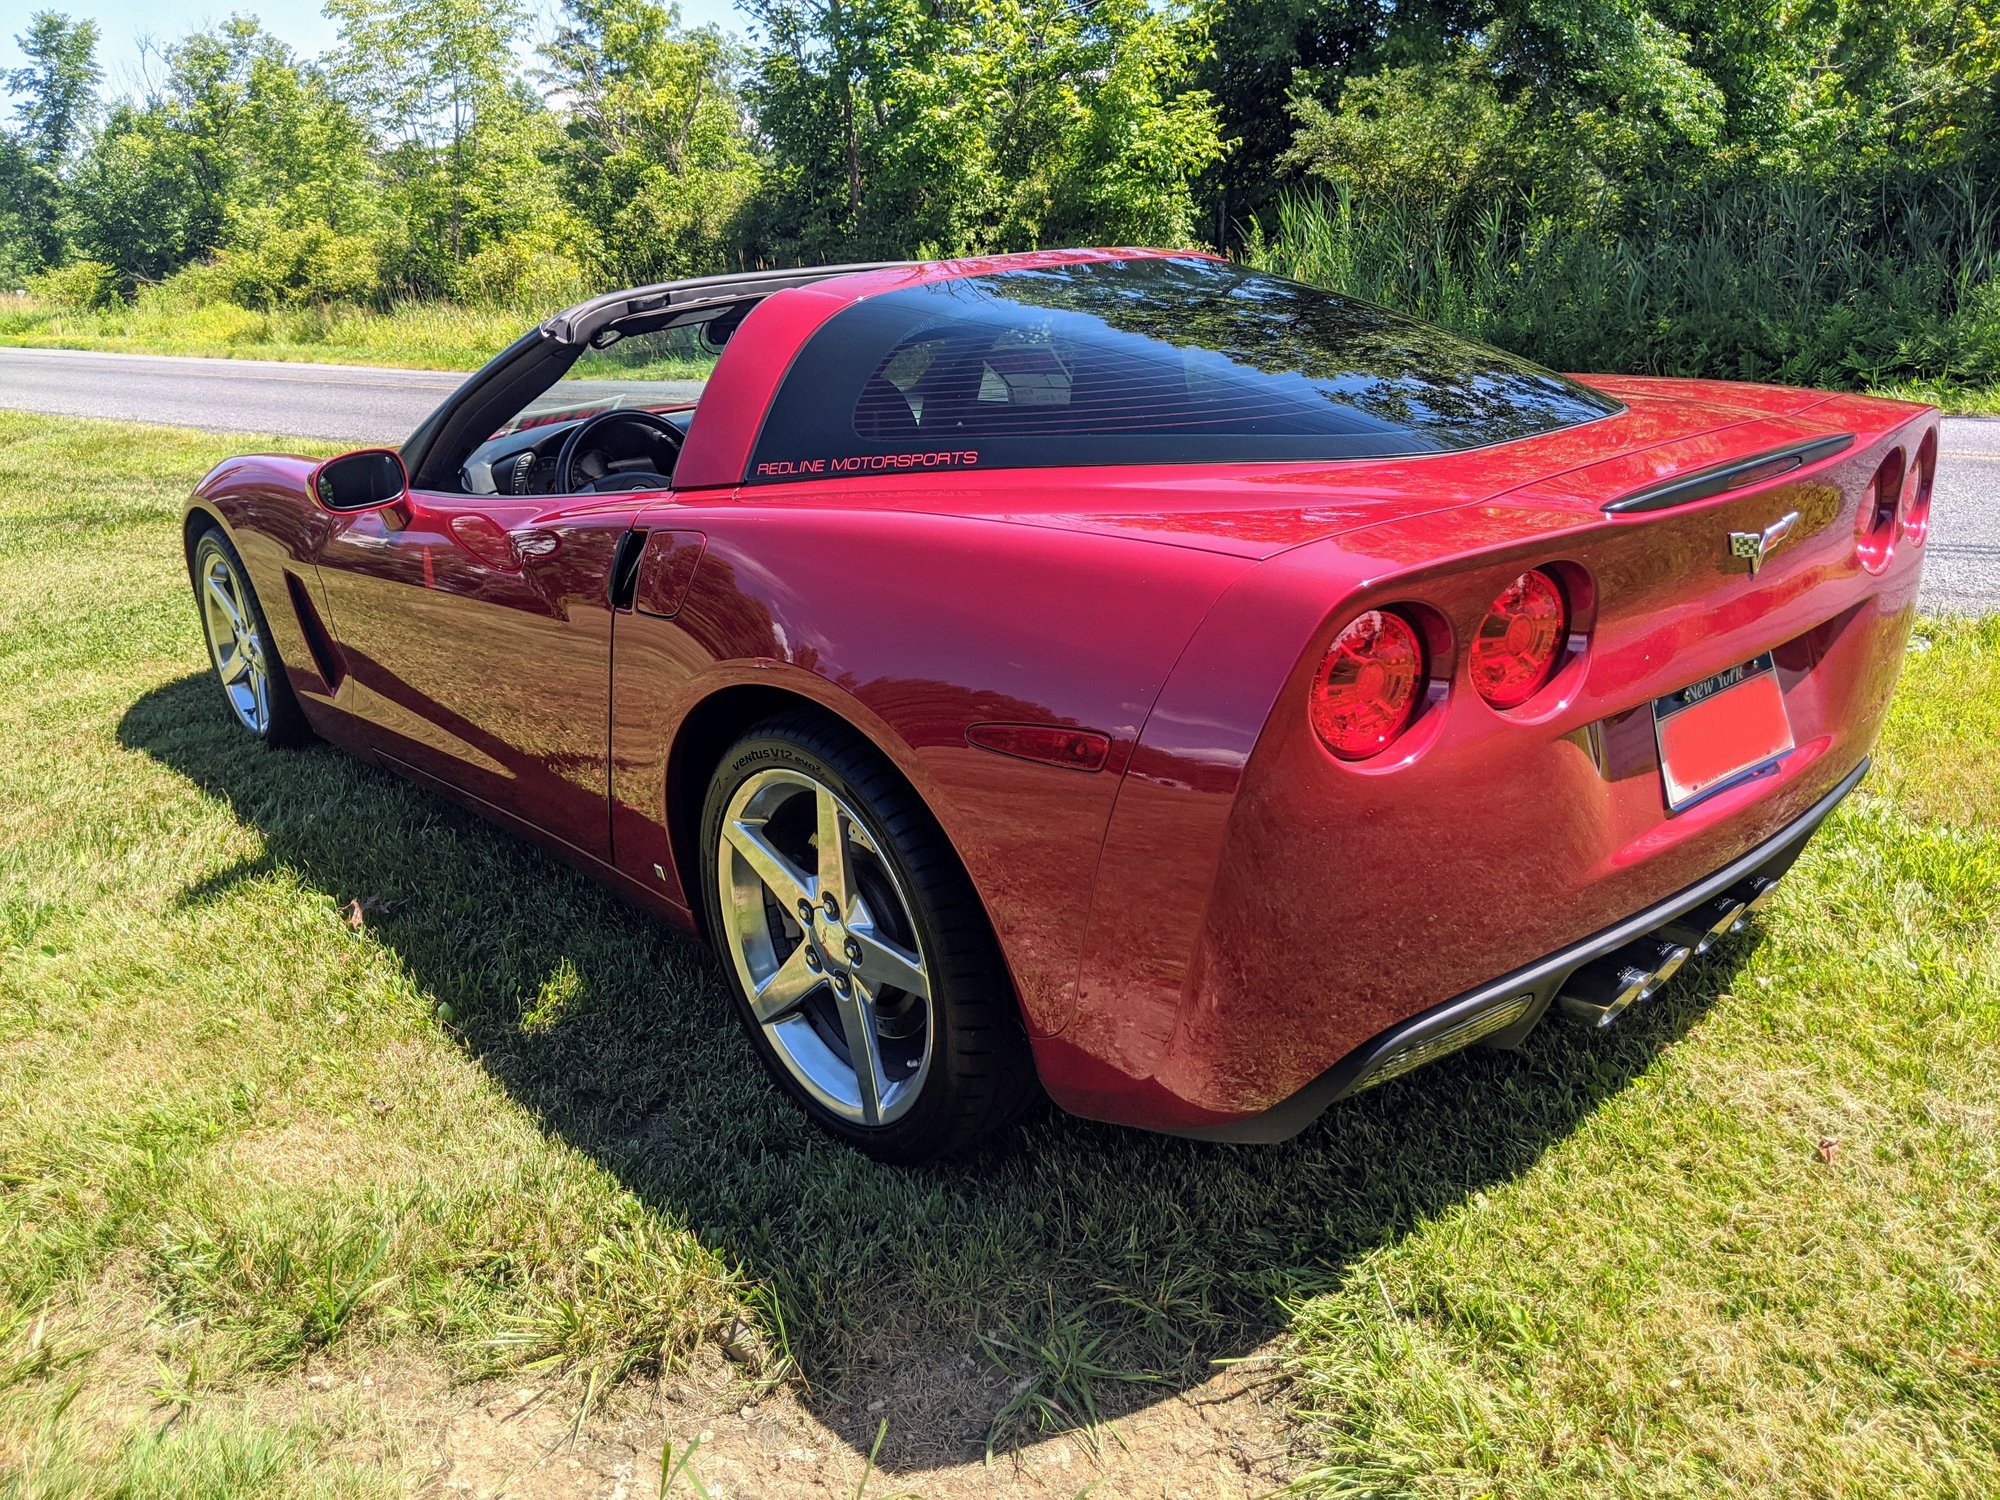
{"x":1695,"y":188}
{"x":1883,"y":288}
{"x":165,"y":320}
{"x":323,"y":1105}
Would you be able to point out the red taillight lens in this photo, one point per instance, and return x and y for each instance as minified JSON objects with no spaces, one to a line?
{"x":1519,"y":642}
{"x":1369,"y":685}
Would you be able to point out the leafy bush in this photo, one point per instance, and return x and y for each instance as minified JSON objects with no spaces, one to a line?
{"x":271,"y":264}
{"x":520,"y":271}
{"x":80,"y":286}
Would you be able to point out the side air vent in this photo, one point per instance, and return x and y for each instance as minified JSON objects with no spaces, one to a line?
{"x":325,"y":655}
{"x":1705,"y":484}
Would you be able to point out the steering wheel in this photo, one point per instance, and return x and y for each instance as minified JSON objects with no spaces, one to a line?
{"x":631,"y":479}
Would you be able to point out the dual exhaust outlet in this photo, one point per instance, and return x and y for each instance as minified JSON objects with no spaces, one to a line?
{"x":1602,"y":989}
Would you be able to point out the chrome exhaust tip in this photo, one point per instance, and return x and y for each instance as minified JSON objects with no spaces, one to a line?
{"x":1667,"y":956}
{"x":1753,"y":892}
{"x":1703,"y":926}
{"x":1600,"y":991}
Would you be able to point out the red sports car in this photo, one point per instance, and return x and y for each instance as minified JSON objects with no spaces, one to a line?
{"x":1122,"y":674}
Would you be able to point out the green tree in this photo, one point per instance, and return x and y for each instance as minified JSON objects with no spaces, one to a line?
{"x":238,"y":144}
{"x":1437,"y":137}
{"x":656,"y":153}
{"x":899,"y":126}
{"x":56,"y":96}
{"x":1596,"y":106}
{"x":1264,"y":53}
{"x":466,"y":149}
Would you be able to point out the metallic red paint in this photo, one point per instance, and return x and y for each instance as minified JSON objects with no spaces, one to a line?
{"x":1176,"y":923}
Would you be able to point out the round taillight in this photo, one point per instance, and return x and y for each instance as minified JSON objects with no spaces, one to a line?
{"x":1369,"y":686}
{"x":1917,"y":505}
{"x":1876,"y":539}
{"x":1518,"y":644}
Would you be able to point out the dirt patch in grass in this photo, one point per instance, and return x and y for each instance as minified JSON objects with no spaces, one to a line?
{"x":717,"y":1435}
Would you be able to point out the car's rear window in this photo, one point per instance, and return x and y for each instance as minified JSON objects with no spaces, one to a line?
{"x":1141,"y":361}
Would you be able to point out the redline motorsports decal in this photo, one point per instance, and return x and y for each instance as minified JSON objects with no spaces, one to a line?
{"x":868,"y":463}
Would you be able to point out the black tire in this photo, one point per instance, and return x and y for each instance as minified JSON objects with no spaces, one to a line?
{"x":284,"y":722}
{"x":980,"y":1072}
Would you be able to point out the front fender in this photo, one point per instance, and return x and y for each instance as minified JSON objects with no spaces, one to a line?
{"x":261,"y":502}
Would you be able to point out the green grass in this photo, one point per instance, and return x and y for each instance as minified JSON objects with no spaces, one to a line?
{"x":506,"y":1124}
{"x":1951,"y":397}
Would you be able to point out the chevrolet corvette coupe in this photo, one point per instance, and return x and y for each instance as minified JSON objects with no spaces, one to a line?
{"x":1115,"y":674}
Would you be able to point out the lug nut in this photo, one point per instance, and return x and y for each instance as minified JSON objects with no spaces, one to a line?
{"x":853,"y":951}
{"x":813,"y":959}
{"x":841,"y":982}
{"x":805,"y":911}
{"x":832,"y":907}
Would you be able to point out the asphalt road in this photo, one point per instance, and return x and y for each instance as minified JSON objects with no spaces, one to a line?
{"x":345,"y":403}
{"x":1962,"y":573}
{"x":367,"y":405}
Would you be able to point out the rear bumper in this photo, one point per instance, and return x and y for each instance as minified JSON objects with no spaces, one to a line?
{"x":1517,"y":1001}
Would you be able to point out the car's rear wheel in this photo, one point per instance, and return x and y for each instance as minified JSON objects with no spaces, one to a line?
{"x":239,"y":644}
{"x":862,"y":964}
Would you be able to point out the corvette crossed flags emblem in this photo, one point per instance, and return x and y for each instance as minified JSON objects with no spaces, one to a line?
{"x":1754,"y":546}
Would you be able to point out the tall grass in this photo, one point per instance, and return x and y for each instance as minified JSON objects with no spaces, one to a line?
{"x":415,"y":335}
{"x":1854,"y":286}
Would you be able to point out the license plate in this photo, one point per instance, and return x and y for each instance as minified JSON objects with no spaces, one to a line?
{"x":1719,"y":730}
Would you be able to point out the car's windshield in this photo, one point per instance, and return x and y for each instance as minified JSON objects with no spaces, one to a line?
{"x":651,"y":371}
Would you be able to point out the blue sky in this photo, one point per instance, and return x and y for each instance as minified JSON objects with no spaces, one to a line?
{"x":124,"y":25}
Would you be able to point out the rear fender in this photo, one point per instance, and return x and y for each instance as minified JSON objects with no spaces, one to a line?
{"x":914,"y":628}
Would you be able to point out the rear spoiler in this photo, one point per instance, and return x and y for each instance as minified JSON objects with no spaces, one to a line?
{"x":1704,"y":484}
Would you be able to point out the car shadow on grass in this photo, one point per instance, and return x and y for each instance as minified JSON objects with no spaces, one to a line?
{"x":996,"y":1297}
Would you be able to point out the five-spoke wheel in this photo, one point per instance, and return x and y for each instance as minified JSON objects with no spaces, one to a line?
{"x":823,"y":942}
{"x":865,"y":971}
{"x":239,"y":643}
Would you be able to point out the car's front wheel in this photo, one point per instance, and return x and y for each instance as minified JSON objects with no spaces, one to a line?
{"x":239,"y":644}
{"x":862,"y":963}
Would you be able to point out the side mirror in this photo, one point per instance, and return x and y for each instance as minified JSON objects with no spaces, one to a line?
{"x":368,"y":479}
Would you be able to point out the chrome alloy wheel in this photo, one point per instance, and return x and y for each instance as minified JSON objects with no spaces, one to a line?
{"x":825,"y":944}
{"x":234,"y":643}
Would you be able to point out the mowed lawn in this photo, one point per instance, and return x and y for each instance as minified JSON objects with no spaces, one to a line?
{"x":308,"y":1077}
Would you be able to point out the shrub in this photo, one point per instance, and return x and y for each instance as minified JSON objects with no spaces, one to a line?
{"x":269,"y":264}
{"x":1766,"y":279}
{"x":520,"y":271}
{"x":80,"y":286}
